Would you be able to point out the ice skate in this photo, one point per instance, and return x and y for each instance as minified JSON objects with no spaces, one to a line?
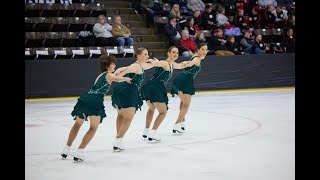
{"x":152,"y":138}
{"x":145,"y":133}
{"x":65,"y":152}
{"x":79,"y":156}
{"x":118,"y":145}
{"x":177,"y":129}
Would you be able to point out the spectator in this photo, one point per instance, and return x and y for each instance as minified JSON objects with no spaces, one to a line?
{"x":183,"y":6}
{"x":219,"y":44}
{"x":191,"y":27}
{"x":281,"y":17}
{"x":265,"y":3}
{"x":222,"y":20}
{"x":232,"y":45}
{"x":103,"y":32}
{"x":288,"y":42}
{"x":250,"y":6}
{"x":195,"y":5}
{"x":173,"y":30}
{"x":197,"y":18}
{"x":268,"y":18}
{"x":246,"y":42}
{"x":255,"y":18}
{"x":208,"y":19}
{"x":288,"y":4}
{"x":175,"y":11}
{"x":239,"y":20}
{"x":291,"y":21}
{"x":258,"y":47}
{"x":200,"y":38}
{"x":153,"y":7}
{"x":186,"y":46}
{"x":292,"y":24}
{"x":121,"y":32}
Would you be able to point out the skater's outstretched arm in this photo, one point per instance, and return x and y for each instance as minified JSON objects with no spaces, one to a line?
{"x":133,"y":68}
{"x":181,"y":65}
{"x":111,"y":77}
{"x":194,"y":61}
{"x":119,"y":70}
{"x":150,"y":63}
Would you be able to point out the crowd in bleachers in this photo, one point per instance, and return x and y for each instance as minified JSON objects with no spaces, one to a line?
{"x":252,"y":26}
{"x":229,"y":27}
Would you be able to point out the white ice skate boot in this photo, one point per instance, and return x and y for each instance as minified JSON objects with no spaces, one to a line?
{"x":145,"y":133}
{"x":177,"y":129}
{"x":78,"y":156}
{"x":152,"y":138}
{"x":118,"y":145}
{"x":183,"y":124}
{"x":65,"y":152}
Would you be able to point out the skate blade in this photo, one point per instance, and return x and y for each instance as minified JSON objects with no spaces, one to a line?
{"x":116,"y":149}
{"x":176,"y":132}
{"x":77,"y":160}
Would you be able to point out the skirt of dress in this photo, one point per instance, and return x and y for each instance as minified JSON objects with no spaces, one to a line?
{"x":89,"y":105}
{"x":183,"y":82}
{"x":154,"y":91}
{"x":125,"y":96}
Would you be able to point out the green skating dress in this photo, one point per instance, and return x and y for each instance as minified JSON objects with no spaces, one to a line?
{"x":91,"y":103}
{"x":155,"y":89}
{"x":127,"y":95}
{"x":184,"y":81}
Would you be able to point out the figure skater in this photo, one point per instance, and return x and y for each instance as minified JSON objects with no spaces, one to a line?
{"x":126,"y":97}
{"x":90,"y":105}
{"x":155,"y":93}
{"x":183,"y":86}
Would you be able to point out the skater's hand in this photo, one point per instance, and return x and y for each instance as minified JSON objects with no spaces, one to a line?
{"x":185,"y":63}
{"x":128,"y":80}
{"x":153,"y":61}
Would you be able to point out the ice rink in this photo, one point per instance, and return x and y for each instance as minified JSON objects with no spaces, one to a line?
{"x":230,"y":135}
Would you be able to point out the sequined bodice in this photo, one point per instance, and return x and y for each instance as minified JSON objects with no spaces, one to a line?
{"x":136,"y":79}
{"x":162,"y":75}
{"x":193,"y":70}
{"x":101,"y":86}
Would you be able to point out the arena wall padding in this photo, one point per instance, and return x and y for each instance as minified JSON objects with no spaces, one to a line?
{"x":62,"y":78}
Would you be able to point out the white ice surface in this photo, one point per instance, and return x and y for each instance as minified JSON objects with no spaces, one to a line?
{"x":229,"y":136}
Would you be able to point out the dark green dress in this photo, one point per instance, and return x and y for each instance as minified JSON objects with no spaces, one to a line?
{"x":127,"y":95}
{"x":184,"y":81}
{"x":155,"y":89}
{"x":91,"y":103}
